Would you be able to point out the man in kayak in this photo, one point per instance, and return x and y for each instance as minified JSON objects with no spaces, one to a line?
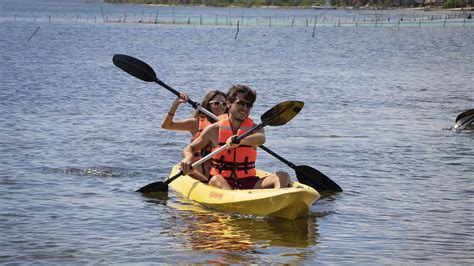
{"x":234,"y":168}
{"x":215,"y":102}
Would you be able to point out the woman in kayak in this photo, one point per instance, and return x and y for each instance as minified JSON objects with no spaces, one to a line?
{"x":216,"y":103}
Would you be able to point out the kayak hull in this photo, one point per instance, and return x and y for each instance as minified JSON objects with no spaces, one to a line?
{"x":288,"y":203}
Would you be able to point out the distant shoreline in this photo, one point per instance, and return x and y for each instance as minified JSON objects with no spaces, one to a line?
{"x":427,"y":8}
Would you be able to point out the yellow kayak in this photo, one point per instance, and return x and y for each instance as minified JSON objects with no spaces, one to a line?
{"x":288,"y":203}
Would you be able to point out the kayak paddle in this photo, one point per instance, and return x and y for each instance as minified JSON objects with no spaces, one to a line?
{"x":463,"y":120}
{"x":305,"y":174}
{"x":465,"y":113}
{"x":279,"y":115}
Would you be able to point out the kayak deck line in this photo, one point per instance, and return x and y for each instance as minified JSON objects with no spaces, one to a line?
{"x":288,"y":203}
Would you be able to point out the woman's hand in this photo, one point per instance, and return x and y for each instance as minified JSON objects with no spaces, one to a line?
{"x":183,"y":97}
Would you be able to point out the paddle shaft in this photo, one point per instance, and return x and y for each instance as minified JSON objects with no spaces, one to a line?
{"x":193,"y":103}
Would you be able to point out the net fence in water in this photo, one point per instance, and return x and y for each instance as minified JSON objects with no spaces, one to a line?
{"x":439,"y":19}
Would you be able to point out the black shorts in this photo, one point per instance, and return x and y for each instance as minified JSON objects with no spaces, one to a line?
{"x":243,"y":183}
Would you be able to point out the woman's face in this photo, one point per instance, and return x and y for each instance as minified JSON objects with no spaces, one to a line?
{"x":218,"y":105}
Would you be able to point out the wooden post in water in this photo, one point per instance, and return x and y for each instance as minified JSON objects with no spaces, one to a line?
{"x":314,"y":27}
{"x":200,"y":20}
{"x":34,"y":33}
{"x":102,"y":12}
{"x":237,"y":33}
{"x":173,"y":16}
{"x":156,"y":16}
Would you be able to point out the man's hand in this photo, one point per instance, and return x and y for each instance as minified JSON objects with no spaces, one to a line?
{"x":186,"y":166}
{"x":230,"y":142}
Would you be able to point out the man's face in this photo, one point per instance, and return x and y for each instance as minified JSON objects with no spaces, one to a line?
{"x":240,"y":108}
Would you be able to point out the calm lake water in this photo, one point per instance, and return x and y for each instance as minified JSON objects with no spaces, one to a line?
{"x":78,"y":136}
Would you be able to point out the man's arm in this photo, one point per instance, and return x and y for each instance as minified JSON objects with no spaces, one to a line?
{"x":255,"y":139}
{"x":198,"y":144}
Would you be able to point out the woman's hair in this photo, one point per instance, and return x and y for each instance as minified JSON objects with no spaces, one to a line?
{"x":250,"y":94}
{"x":205,"y":102}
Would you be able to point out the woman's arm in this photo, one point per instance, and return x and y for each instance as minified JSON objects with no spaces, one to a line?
{"x":168,"y":123}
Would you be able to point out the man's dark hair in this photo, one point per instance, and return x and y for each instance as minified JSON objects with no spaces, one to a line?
{"x":250,"y":94}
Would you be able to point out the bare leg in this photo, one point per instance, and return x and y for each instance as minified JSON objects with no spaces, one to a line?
{"x":219,"y":182}
{"x":275,"y":180}
{"x":198,"y":173}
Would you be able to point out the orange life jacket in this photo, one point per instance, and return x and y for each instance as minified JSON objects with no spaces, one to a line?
{"x":237,"y":162}
{"x":202,"y":122}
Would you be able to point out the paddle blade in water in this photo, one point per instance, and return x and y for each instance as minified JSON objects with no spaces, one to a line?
{"x":154,"y":187}
{"x":283,"y":112}
{"x":464,"y":123}
{"x":315,"y":179}
{"x":135,"y":67}
{"x":465,"y":113}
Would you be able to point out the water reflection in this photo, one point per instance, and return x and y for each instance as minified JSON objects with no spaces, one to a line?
{"x":236,"y":238}
{"x":160,"y":198}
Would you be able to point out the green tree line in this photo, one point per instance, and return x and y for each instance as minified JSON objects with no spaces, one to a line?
{"x":221,"y":3}
{"x":297,"y":3}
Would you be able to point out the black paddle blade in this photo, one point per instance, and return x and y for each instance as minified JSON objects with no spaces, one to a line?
{"x":465,"y":113}
{"x":154,"y":187}
{"x":135,"y":67}
{"x":283,"y":112}
{"x":466,"y":122}
{"x":315,"y":179}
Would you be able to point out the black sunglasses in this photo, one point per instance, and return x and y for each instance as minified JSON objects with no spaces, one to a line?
{"x":240,"y":103}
